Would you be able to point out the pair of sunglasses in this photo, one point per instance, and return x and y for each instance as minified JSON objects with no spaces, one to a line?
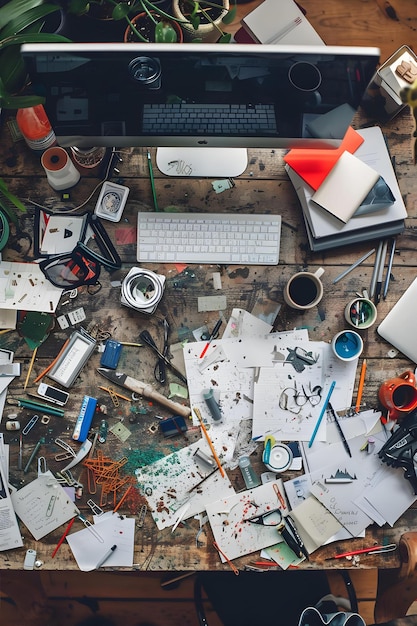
{"x":83,"y":264}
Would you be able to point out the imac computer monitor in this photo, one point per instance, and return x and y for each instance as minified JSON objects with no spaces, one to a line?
{"x":199,"y":96}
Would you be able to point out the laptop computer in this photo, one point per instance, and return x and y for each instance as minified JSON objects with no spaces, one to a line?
{"x":399,"y":326}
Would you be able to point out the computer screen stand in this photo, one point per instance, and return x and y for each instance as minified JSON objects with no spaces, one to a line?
{"x":202,"y":162}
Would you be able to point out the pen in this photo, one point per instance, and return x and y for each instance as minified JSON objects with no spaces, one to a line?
{"x":296,"y":534}
{"x":375,"y":549}
{"x":360,"y":388}
{"x":20,"y":459}
{"x":106,"y":556}
{"x":32,"y":456}
{"x":375,"y":271}
{"x":155,"y":201}
{"x":339,"y":428}
{"x":353,"y":266}
{"x":323,"y":410}
{"x":378,"y":286}
{"x":62,"y":539}
{"x":389,"y":269}
{"x":213,"y":335}
{"x":39,"y":406}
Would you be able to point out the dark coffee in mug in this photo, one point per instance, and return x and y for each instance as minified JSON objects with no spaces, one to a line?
{"x":303,"y":290}
{"x":403,"y":396}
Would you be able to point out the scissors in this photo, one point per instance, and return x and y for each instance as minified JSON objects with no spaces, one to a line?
{"x":290,"y":535}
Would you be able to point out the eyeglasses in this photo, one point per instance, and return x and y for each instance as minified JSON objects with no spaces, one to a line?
{"x":71,"y":270}
{"x":275,"y":519}
{"x":269,"y":518}
{"x":82,"y":266}
{"x":293,"y":400}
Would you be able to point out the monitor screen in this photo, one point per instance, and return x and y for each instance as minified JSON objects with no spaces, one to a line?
{"x":199,"y":95}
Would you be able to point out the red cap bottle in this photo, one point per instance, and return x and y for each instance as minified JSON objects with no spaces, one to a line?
{"x":36,"y":128}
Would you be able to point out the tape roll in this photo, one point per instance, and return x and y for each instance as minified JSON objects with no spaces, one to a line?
{"x":280,"y":458}
{"x":142,"y":290}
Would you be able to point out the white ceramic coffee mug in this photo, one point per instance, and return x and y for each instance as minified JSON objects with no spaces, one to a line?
{"x":304,"y":290}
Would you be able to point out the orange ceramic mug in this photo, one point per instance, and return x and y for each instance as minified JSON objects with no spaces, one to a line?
{"x":399,"y":395}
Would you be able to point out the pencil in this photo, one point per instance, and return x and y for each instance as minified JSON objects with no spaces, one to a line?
{"x":213,"y":451}
{"x":32,"y":361}
{"x":122,"y":499}
{"x":360,"y":388}
{"x":46,"y":370}
{"x":155,"y":201}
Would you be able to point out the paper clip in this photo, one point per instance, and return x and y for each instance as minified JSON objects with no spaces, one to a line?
{"x":142,"y":515}
{"x":51,"y":505}
{"x":30,"y":424}
{"x":42,"y":467}
{"x":90,"y":527}
{"x":95,"y":508}
{"x":69,"y":452}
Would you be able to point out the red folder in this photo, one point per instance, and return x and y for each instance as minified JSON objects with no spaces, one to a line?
{"x":313,"y":164}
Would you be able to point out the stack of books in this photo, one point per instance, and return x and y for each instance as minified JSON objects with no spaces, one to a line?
{"x":382,"y":217}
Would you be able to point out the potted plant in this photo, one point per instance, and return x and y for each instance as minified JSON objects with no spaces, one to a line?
{"x":153,"y":28}
{"x":196,"y":12}
{"x":21,"y":21}
{"x":201,"y":21}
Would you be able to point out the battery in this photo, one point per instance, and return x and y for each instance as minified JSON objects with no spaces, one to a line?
{"x":85,"y":417}
{"x":111,"y":355}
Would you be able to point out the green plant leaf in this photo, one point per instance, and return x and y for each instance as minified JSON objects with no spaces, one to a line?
{"x":230,"y":15}
{"x":26,"y":19}
{"x":120,"y":11}
{"x":14,"y":8}
{"x":225,"y":38}
{"x":11,"y":197}
{"x":78,"y":7}
{"x":165,"y":33}
{"x":18,"y":40}
{"x":195,"y":21}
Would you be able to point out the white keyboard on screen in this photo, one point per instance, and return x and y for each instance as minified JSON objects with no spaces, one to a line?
{"x":219,"y":238}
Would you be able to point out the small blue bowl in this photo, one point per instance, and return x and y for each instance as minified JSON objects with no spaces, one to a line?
{"x":347,"y":345}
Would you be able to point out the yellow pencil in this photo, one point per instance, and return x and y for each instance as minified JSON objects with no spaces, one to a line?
{"x":32,"y":361}
{"x":360,"y":388}
{"x":210,"y":443}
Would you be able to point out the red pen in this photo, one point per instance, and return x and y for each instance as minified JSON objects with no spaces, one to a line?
{"x":373,"y":549}
{"x":213,"y":335}
{"x":61,"y":541}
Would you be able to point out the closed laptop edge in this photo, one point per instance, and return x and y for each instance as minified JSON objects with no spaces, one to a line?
{"x":399,"y":326}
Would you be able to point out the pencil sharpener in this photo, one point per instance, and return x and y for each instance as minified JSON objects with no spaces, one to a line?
{"x":142,"y":290}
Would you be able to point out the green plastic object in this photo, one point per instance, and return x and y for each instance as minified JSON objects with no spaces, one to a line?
{"x":4,"y":230}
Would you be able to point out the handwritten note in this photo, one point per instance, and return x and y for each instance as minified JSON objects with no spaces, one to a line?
{"x":43,"y":505}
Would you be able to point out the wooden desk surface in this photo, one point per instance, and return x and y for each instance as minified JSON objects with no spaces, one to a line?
{"x":263,"y":187}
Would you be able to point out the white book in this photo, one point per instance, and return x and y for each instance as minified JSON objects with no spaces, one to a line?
{"x":346,"y":185}
{"x":280,"y":22}
{"x":374,"y":153}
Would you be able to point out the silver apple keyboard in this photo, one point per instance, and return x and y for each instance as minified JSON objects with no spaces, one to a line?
{"x":224,"y":238}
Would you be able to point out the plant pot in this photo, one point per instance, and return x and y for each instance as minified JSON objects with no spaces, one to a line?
{"x":207,"y":33}
{"x":146,"y":27}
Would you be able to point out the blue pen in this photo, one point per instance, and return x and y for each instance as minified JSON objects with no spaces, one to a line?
{"x":323,"y":411}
